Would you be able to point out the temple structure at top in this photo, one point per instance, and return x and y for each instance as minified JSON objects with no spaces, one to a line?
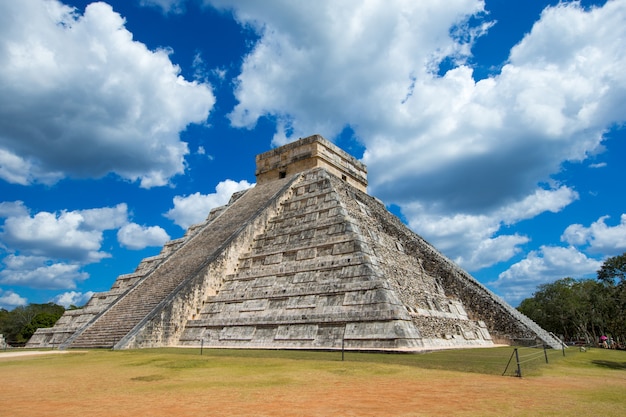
{"x":308,"y":153}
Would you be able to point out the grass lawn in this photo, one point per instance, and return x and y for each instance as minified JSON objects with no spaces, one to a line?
{"x":181,"y":382}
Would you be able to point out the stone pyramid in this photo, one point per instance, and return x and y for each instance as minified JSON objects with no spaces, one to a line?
{"x":305,"y":259}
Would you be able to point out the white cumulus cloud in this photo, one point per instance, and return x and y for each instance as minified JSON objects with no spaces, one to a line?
{"x":73,"y":235}
{"x":39,"y":272}
{"x":73,"y":298}
{"x":13,"y":209}
{"x":600,"y":237}
{"x":48,"y":250}
{"x":10,"y":300}
{"x":540,"y":267}
{"x":195,"y":208}
{"x":476,"y":241}
{"x":79,"y":97}
{"x":134,"y":236}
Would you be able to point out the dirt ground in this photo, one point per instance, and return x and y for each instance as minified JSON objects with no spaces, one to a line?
{"x":38,"y":386}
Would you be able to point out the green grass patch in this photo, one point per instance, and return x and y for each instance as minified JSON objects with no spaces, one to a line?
{"x":491,"y":361}
{"x":171,"y":381}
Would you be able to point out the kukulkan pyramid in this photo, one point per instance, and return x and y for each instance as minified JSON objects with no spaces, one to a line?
{"x":304,"y":259}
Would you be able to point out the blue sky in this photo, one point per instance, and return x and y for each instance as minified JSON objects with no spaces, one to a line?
{"x":494,"y":129}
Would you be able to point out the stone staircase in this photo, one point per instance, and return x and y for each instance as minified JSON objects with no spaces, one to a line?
{"x":148,"y":296}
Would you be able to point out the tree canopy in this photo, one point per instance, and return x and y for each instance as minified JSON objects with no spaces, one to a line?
{"x":583,"y":309}
{"x":19,"y":324}
{"x":613,"y":270}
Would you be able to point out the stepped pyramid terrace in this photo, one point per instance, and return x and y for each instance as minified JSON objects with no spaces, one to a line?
{"x":305,"y":259}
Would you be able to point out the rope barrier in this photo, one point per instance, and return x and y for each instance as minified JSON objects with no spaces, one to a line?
{"x":540,"y":345}
{"x":528,"y":357}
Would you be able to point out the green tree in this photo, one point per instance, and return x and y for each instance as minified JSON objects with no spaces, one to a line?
{"x":613,"y":270}
{"x":583,"y":308}
{"x":20,"y":324}
{"x":567,"y":307}
{"x":43,"y":319}
{"x":550,"y":307}
{"x":613,"y":275}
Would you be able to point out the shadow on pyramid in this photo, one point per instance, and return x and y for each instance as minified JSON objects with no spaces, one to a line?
{"x":305,"y":259}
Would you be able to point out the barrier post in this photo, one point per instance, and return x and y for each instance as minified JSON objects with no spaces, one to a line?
{"x":343,"y":341}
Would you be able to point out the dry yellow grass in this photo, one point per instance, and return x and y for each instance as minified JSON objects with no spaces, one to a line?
{"x":183,"y":383}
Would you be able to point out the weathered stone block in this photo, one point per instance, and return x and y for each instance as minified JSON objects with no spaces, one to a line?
{"x":296,"y":332}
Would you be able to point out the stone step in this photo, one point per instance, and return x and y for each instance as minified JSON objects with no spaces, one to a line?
{"x":188,"y":260}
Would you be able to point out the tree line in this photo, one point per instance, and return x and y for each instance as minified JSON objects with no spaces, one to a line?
{"x":19,"y":324}
{"x":584,"y":310}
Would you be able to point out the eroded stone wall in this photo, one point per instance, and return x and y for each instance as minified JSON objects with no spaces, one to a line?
{"x":504,"y":323}
{"x":440,"y":317}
